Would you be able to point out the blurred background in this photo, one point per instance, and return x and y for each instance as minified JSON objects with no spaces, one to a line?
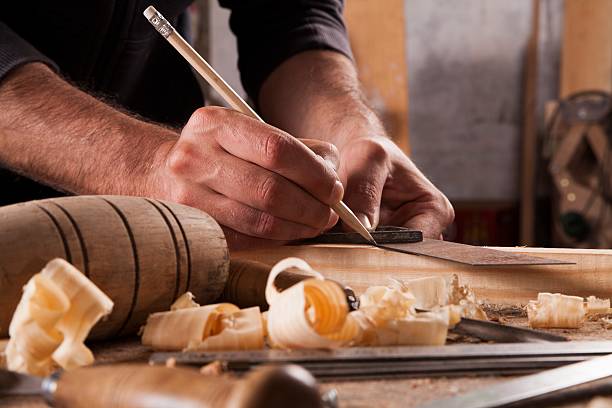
{"x":504,"y":105}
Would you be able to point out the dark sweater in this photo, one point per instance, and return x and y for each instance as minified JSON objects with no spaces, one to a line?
{"x":108,"y":48}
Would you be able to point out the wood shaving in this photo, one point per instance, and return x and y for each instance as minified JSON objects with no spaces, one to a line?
{"x":220,"y":326}
{"x":58,"y":308}
{"x":434,"y":292}
{"x":596,"y":306}
{"x":310,"y":314}
{"x":185,"y":301}
{"x":556,"y":311}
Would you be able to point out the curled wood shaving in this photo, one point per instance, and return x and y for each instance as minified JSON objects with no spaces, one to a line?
{"x":428,"y":292}
{"x":58,"y":308}
{"x":387,"y":317}
{"x":310,"y":314}
{"x":556,"y":311}
{"x":220,"y":326}
{"x":185,"y":301}
{"x":239,"y":330}
{"x":431,"y":293}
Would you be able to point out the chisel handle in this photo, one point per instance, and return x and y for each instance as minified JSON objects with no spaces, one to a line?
{"x":246,"y":284}
{"x":144,"y":386}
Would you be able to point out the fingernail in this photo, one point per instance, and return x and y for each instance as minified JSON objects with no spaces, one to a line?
{"x":333,"y":220}
{"x":337,"y":192}
{"x":364,"y":220}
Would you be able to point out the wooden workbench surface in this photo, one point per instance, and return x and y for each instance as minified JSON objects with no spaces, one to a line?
{"x":384,"y":393}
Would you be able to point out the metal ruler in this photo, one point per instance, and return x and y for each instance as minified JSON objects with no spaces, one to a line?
{"x":400,"y":239}
{"x":406,"y":361}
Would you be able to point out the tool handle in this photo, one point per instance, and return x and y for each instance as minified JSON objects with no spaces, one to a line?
{"x":246,"y":284}
{"x":144,"y":386}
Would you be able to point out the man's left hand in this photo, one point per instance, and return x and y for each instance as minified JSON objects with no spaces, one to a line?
{"x":385,"y":187}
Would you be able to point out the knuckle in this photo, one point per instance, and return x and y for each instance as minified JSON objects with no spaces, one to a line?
{"x":273,"y":147}
{"x":264,"y":224}
{"x":374,"y":150}
{"x":268,"y":191}
{"x":366,"y":191}
{"x":203,"y":116}
{"x":180,"y":158}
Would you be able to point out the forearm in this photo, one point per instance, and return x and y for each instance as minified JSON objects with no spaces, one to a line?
{"x":54,"y":133}
{"x":316,"y":94}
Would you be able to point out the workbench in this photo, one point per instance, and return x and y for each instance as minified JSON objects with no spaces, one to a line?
{"x":592,"y":275}
{"x":387,"y":393}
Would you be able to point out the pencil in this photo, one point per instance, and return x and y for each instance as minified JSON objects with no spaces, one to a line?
{"x":232,"y":98}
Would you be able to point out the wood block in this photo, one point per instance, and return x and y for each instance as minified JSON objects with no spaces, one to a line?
{"x":361,"y":266}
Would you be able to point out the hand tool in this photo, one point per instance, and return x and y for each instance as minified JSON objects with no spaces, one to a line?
{"x":524,"y":388}
{"x":406,"y":361}
{"x":404,"y":240}
{"x":500,"y":333}
{"x":246,"y":284}
{"x":215,"y":80}
{"x":141,"y":252}
{"x":144,"y":386}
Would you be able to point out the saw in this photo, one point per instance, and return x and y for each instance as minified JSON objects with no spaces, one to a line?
{"x":400,"y":239}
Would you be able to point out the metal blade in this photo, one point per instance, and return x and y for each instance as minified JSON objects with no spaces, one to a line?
{"x":468,"y":254}
{"x":500,"y":333}
{"x":406,"y":361}
{"x":531,"y":386}
{"x":12,"y":383}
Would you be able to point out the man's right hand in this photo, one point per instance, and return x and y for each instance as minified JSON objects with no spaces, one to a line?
{"x":261,"y":184}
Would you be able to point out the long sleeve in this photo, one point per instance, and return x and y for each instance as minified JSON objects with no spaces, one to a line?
{"x":270,"y":31}
{"x":15,"y":51}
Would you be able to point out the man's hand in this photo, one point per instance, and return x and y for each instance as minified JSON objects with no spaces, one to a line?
{"x":381,"y":182}
{"x":261,"y":184}
{"x":383,"y":186}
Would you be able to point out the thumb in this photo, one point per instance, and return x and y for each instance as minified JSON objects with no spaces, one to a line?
{"x":365,"y":182}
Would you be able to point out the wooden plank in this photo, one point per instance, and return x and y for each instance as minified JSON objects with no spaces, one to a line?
{"x":378,"y":40}
{"x":363,"y":266}
{"x":530,"y":136}
{"x":586,"y":58}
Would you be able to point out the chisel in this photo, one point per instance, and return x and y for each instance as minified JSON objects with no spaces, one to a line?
{"x":144,"y":386}
{"x":526,"y":388}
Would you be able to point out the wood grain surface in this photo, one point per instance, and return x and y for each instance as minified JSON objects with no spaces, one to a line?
{"x":360,"y":266}
{"x":142,"y":253}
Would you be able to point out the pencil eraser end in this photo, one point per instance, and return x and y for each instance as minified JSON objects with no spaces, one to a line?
{"x":150,"y":12}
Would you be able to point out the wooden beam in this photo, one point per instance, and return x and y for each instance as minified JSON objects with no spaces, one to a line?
{"x":378,"y":40}
{"x":362,"y":266}
{"x":586,"y":58}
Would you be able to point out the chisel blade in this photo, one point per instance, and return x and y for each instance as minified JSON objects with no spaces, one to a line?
{"x":531,"y":386}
